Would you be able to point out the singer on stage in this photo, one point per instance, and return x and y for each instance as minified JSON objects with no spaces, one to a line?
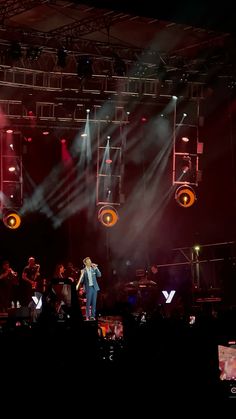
{"x":88,"y":278}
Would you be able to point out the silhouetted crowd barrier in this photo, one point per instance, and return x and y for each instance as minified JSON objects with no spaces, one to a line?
{"x":152,"y":354}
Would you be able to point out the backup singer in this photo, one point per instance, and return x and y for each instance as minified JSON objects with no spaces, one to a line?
{"x":88,"y":278}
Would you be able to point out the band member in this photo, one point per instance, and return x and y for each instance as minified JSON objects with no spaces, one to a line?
{"x":31,"y":281}
{"x":62,"y":290}
{"x":88,"y":278}
{"x":8,"y":281}
{"x":59,"y":271}
{"x":71,"y":272}
{"x":153,"y":273}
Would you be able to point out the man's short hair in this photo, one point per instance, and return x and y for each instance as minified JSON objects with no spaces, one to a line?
{"x":84,"y":260}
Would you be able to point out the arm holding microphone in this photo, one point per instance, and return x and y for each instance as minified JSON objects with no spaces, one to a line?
{"x":97,"y":271}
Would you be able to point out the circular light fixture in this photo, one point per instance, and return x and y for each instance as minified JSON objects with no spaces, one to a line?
{"x":108,"y":216}
{"x":185,"y":196}
{"x":12,"y":220}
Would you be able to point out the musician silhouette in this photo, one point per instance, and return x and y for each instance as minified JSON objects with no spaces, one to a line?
{"x":31,"y":281}
{"x":62,"y":289}
{"x":153,"y":275}
{"x":8,"y":282}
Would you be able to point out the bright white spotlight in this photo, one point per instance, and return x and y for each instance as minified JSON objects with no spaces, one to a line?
{"x":11,"y":169}
{"x":174,"y":97}
{"x":185,"y":114}
{"x":87,"y":110}
{"x":11,"y":146}
{"x":185,"y":139}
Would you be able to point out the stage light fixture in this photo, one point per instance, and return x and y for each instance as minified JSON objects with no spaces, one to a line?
{"x":108,"y":216}
{"x":61,"y":57}
{"x":162,"y":72}
{"x":185,"y":196}
{"x":186,"y":164}
{"x":84,"y":66}
{"x":12,"y":220}
{"x":33,"y":53}
{"x":14,"y":51}
{"x":119,"y":66}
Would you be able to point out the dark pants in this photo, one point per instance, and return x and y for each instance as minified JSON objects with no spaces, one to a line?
{"x":91,"y":299}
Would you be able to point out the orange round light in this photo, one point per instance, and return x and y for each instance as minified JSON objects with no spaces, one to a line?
{"x":12,"y":220}
{"x":108,"y":216}
{"x":185,"y":196}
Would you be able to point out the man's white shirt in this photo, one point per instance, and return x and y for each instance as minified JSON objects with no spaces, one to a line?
{"x":90,"y":278}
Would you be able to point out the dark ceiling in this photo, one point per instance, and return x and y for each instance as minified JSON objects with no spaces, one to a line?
{"x":219,"y":17}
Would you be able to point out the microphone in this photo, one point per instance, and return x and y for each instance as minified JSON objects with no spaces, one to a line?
{"x":94,"y":265}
